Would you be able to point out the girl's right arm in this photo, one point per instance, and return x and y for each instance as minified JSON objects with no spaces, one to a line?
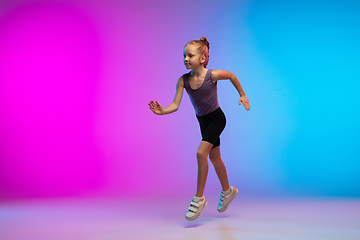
{"x":174,"y":106}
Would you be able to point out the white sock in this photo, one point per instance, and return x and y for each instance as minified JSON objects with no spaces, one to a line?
{"x":227,"y":192}
{"x":199,"y":198}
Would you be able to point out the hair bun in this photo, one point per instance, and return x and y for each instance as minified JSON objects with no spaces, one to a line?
{"x":204,"y":40}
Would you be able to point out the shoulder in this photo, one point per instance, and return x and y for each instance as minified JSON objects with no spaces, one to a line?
{"x":220,"y":74}
{"x":184,"y":78}
{"x":216,"y":74}
{"x":180,"y":81}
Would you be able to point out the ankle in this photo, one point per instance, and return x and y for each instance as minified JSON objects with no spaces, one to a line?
{"x":226,"y":189}
{"x":226,"y":192}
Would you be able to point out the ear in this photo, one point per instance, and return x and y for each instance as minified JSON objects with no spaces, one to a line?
{"x":202,"y":59}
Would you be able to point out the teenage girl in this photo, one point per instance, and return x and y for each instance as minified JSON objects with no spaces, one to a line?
{"x":201,"y":85}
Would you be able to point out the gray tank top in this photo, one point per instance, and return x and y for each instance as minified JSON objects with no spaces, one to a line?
{"x":204,"y":99}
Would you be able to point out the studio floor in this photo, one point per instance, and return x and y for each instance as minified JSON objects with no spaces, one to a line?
{"x":149,"y":219}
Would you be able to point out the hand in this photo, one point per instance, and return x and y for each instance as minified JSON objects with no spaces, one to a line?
{"x":245,"y":101}
{"x":156,"y":108}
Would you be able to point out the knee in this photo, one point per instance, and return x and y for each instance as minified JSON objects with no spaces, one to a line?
{"x":215,"y":159}
{"x":201,"y":156}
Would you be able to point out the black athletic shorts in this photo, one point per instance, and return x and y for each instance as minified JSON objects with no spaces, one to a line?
{"x":211,"y":126}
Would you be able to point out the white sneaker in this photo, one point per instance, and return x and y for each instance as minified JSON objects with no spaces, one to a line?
{"x":197,"y":205}
{"x":225,"y":199}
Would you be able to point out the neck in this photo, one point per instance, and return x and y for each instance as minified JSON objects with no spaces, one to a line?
{"x":198,"y":72}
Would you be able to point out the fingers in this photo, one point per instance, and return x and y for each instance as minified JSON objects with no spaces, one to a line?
{"x":154,"y":106}
{"x":247,"y":106}
{"x":151,"y":104}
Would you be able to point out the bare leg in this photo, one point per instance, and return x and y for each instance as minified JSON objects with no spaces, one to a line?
{"x":219,"y":166}
{"x":203,"y":167}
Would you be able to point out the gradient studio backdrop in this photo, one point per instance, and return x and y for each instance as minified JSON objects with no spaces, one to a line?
{"x":76,"y":77}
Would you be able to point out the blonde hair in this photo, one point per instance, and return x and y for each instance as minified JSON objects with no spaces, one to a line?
{"x":203,"y":48}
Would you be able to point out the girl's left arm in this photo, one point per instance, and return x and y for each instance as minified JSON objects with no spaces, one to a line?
{"x":220,"y":75}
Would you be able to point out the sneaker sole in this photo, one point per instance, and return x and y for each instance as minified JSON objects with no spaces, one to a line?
{"x":194,"y":218}
{"x":224,"y":209}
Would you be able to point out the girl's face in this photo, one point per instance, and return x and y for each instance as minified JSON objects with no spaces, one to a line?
{"x":192,"y":57}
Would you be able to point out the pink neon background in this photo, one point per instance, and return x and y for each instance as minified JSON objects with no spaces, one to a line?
{"x":74,"y":92}
{"x":76,"y":77}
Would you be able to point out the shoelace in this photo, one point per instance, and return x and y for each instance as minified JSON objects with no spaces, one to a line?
{"x":195,"y":205}
{"x":223,"y":197}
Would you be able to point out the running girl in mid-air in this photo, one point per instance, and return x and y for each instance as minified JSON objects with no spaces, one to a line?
{"x":201,"y":85}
